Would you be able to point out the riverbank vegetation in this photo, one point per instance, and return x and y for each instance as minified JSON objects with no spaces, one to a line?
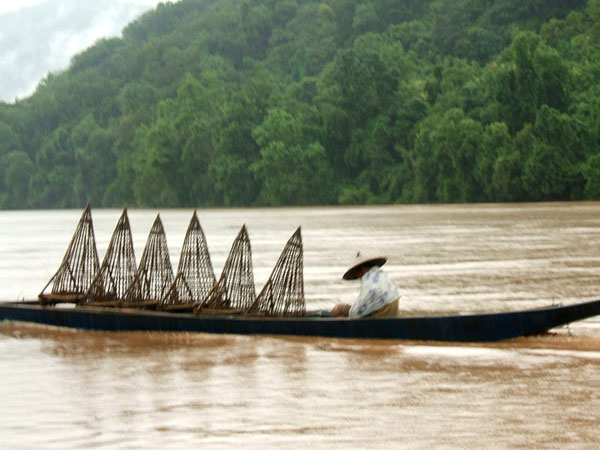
{"x":302,"y":102}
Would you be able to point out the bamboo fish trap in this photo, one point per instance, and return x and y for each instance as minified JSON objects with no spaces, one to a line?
{"x":235,"y":290}
{"x":118,"y":267}
{"x":80,"y":279}
{"x":154,"y":275}
{"x":195,"y":275}
{"x":283,"y":293}
{"x":74,"y":276}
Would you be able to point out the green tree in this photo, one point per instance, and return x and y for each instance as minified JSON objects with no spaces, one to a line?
{"x":446,"y":153}
{"x":293,"y":175}
{"x":493,"y":164}
{"x":94,"y":160}
{"x":594,"y":15}
{"x":201,"y":100}
{"x":551,"y":171}
{"x":18,"y":170}
{"x":290,"y":171}
{"x":365,"y":18}
{"x":591,"y":173}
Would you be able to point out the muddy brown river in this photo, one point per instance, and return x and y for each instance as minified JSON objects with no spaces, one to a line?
{"x":73,"y":389}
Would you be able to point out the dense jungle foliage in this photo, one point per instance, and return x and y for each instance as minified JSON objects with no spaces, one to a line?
{"x":298,"y":102}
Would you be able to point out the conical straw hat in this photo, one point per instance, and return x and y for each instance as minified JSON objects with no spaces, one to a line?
{"x":369,"y":261}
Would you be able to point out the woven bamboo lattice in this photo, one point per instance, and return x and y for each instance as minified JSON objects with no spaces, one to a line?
{"x":283,"y":294}
{"x":195,"y":275}
{"x":118,"y":267}
{"x":79,"y":265}
{"x":235,"y":289}
{"x":154,"y":275}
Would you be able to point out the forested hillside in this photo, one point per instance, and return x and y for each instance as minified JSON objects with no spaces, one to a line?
{"x":297,"y":102}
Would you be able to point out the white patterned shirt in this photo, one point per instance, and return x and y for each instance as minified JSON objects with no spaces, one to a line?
{"x":376,"y":291}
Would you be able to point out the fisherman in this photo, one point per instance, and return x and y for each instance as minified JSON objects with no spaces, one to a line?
{"x":378,"y":295}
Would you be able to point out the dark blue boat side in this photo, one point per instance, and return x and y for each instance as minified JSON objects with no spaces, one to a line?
{"x":454,"y":328}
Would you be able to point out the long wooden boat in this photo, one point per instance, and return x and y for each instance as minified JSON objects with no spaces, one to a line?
{"x":450,"y":328}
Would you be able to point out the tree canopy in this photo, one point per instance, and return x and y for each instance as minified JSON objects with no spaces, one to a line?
{"x":304,"y":102}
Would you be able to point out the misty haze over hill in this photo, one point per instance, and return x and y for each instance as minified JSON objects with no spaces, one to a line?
{"x":42,"y":38}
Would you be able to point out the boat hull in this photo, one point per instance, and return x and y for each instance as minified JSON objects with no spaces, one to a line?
{"x":453,"y":328}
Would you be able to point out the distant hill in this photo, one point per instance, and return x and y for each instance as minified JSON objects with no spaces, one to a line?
{"x":291,"y":102}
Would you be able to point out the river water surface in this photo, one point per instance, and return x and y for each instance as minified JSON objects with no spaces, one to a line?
{"x":72,"y":389}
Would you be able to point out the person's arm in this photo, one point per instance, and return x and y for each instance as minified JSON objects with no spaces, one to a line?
{"x":341,"y":310}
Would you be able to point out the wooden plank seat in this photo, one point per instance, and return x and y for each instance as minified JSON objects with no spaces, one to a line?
{"x":53,"y":299}
{"x":181,"y":307}
{"x":138,"y":305}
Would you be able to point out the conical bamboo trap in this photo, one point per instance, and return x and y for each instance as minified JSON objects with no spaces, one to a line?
{"x":118,"y":267}
{"x":154,"y":275}
{"x":235,"y":289}
{"x":195,"y":275}
{"x":117,"y":282}
{"x":283,"y":293}
{"x":74,"y":276}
